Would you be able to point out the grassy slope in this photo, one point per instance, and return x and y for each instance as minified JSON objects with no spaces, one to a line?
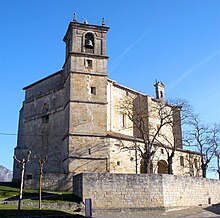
{"x":10,"y":191}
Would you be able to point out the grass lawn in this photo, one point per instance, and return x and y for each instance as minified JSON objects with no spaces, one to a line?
{"x":11,"y":210}
{"x":10,"y":192}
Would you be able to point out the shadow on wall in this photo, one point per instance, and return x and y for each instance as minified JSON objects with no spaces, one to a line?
{"x":10,"y":184}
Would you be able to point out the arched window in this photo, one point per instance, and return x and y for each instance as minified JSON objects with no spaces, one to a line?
{"x":89,"y":41}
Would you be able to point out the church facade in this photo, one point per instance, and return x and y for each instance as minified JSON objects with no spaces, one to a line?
{"x":75,"y":120}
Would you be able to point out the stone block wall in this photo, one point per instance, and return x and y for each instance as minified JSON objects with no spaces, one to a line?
{"x":115,"y":191}
{"x":52,"y":182}
{"x":46,"y":85}
{"x":136,"y":191}
{"x":190,"y":191}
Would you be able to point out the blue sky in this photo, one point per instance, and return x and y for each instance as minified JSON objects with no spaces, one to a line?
{"x":177,"y":42}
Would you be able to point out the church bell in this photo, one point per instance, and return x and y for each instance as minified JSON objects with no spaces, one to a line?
{"x":89,"y":43}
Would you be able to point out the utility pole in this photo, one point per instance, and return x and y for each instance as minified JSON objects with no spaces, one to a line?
{"x":23,"y":163}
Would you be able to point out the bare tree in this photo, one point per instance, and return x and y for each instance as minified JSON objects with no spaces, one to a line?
{"x":151,"y":120}
{"x":204,"y":139}
{"x":217,"y":154}
{"x":180,"y":114}
{"x":41,"y":165}
{"x":40,"y":161}
{"x":23,"y":163}
{"x":186,"y":109}
{"x":216,"y":167}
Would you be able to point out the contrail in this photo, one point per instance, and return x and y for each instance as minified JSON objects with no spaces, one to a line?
{"x":192,"y":69}
{"x":118,"y":60}
{"x":135,"y":42}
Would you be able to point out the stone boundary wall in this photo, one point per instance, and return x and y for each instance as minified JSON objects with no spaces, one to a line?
{"x":190,"y":191}
{"x":136,"y":191}
{"x":52,"y":182}
{"x":70,"y":206}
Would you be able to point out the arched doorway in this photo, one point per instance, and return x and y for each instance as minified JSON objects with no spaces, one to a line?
{"x":162,"y":167}
{"x":143,"y":167}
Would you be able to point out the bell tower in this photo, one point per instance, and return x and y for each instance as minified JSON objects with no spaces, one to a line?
{"x":85,"y":70}
{"x":159,"y":89}
{"x":84,"y":38}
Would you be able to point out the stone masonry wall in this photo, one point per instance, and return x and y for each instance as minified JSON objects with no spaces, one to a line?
{"x":190,"y":191}
{"x":52,"y":182}
{"x":135,"y":191}
{"x":114,"y":191}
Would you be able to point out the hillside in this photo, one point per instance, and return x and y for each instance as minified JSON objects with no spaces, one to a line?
{"x":5,"y":174}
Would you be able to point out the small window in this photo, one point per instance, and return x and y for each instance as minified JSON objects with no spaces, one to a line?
{"x":118,"y":163}
{"x":45,"y":107}
{"x":196,"y":163}
{"x":45,"y":119}
{"x":93,"y":90}
{"x":89,"y":151}
{"x":161,"y":94}
{"x":162,"y":152}
{"x":182,"y":161}
{"x":122,"y":120}
{"x":89,"y":63}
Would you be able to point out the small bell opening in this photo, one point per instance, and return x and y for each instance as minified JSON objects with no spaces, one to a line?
{"x":89,"y":41}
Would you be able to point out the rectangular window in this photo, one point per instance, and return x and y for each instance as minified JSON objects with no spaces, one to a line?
{"x":122,"y":120}
{"x":88,"y":63}
{"x":89,"y":151}
{"x":196,"y":163}
{"x":93,"y":90}
{"x":182,"y":161}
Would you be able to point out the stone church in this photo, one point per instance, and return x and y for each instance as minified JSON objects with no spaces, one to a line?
{"x":73,"y":119}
